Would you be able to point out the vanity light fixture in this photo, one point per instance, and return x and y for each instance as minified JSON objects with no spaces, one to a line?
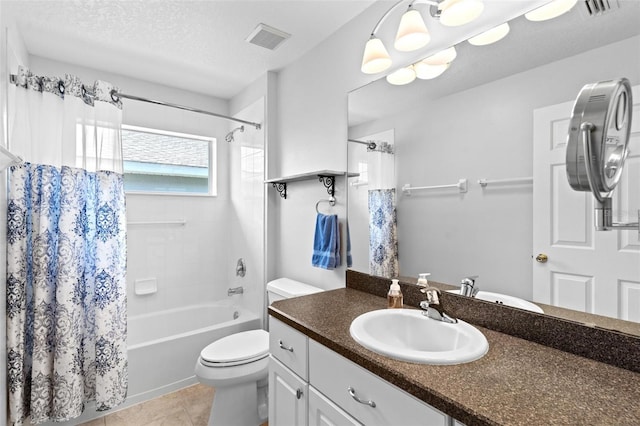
{"x":425,"y":71}
{"x":402,"y":76}
{"x":434,"y":65}
{"x":490,"y":36}
{"x":412,"y":32}
{"x":550,"y":10}
{"x":443,"y":57}
{"x":454,"y":13}
{"x":376,"y":58}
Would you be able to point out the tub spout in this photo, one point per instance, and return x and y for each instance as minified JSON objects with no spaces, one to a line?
{"x":235,"y":290}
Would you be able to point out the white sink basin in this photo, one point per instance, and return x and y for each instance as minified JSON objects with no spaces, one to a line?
{"x":407,"y":335}
{"x":504,"y":299}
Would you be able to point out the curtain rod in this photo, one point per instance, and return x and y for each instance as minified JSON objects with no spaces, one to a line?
{"x":370,"y":144}
{"x":375,"y":145}
{"x":115,"y":94}
{"x":13,"y":79}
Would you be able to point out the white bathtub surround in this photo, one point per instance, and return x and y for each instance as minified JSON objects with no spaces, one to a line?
{"x":175,"y":337}
{"x":145,"y":286}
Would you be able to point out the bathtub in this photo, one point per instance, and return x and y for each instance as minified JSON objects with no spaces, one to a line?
{"x":164,"y":346}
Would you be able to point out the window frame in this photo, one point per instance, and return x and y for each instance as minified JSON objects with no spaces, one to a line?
{"x":212,"y":190}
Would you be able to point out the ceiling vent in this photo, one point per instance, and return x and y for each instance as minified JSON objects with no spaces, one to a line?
{"x":598,"y":7}
{"x":267,"y":37}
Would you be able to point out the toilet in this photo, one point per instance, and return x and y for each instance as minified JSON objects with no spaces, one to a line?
{"x":237,"y":366}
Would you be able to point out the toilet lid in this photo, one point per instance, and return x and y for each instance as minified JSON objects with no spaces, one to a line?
{"x":238,"y":348}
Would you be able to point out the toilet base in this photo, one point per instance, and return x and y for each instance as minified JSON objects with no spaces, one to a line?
{"x":239,"y":405}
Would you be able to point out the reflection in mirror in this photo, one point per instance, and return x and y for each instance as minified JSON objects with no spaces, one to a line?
{"x":374,"y":194}
{"x":501,"y":113}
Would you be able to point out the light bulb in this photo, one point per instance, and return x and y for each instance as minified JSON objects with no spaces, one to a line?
{"x":454,"y":13}
{"x":402,"y":76}
{"x":490,"y":36}
{"x":426,"y":71}
{"x":550,"y":10}
{"x":375,"y":58}
{"x":412,"y":32}
{"x":443,"y":57}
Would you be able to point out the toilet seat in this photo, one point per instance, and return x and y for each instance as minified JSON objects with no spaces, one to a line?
{"x":236,"y":349}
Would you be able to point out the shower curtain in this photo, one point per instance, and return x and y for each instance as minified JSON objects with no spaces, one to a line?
{"x":66,"y":251}
{"x":383,"y":237}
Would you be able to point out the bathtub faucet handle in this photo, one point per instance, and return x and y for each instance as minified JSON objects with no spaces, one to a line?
{"x":241,"y":268}
{"x":235,"y":290}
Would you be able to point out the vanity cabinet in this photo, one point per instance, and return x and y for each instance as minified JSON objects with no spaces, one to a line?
{"x":365,"y":396}
{"x":288,"y":375}
{"x":323,"y":412}
{"x":309,"y":384}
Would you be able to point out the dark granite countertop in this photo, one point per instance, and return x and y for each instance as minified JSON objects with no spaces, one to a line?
{"x":518,"y":382}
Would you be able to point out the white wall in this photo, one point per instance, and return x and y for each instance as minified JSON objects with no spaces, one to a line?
{"x":312,"y":134}
{"x":484,"y":132}
{"x":247,"y":165}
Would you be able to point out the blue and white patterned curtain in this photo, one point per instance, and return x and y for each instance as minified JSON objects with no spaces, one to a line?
{"x":383,"y":235}
{"x":66,"y":252}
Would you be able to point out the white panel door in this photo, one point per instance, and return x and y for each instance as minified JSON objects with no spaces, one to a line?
{"x":596,"y":272}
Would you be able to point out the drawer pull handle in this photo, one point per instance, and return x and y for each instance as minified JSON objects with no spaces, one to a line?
{"x":282,"y":346}
{"x":298,"y":393}
{"x":352,"y":392}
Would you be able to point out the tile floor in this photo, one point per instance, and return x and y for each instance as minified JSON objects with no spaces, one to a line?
{"x":187,"y":407}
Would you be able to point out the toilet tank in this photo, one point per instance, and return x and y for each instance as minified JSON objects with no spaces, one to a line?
{"x":285,"y":288}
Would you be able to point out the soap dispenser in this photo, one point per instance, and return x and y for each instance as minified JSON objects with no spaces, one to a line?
{"x":394,"y":297}
{"x":423,"y":282}
{"x":423,"y":279}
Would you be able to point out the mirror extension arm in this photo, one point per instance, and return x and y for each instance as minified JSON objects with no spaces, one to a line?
{"x":603,"y":214}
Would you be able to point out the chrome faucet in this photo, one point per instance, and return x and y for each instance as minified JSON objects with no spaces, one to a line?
{"x":235,"y":290}
{"x":433,"y":307}
{"x":467,"y":286}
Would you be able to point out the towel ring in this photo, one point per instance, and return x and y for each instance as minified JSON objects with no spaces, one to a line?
{"x":331,"y":201}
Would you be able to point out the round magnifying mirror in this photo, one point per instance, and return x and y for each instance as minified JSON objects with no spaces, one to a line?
{"x":599,"y":134}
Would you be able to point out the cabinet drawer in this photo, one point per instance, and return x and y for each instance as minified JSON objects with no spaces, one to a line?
{"x":334,"y":375}
{"x":323,"y":412}
{"x":288,"y":346}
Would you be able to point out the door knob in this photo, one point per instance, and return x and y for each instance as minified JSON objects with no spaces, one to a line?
{"x":542,"y":258}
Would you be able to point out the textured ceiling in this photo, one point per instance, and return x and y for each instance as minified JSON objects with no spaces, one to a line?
{"x":194,"y":45}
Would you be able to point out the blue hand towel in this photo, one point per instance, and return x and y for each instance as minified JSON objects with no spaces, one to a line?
{"x":326,"y":242}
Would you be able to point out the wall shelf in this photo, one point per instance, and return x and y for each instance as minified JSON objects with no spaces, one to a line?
{"x":327,"y":177}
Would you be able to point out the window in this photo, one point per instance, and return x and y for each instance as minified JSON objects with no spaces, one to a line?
{"x":162,"y":162}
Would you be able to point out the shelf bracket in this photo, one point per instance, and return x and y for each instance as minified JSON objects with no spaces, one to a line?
{"x":281,"y":187}
{"x":329,"y":182}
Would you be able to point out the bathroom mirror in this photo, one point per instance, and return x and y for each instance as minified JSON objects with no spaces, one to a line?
{"x":466,"y":147}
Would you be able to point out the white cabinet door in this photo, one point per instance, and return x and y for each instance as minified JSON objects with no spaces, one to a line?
{"x":589,"y":271}
{"x":288,"y":399}
{"x":323,"y":412}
